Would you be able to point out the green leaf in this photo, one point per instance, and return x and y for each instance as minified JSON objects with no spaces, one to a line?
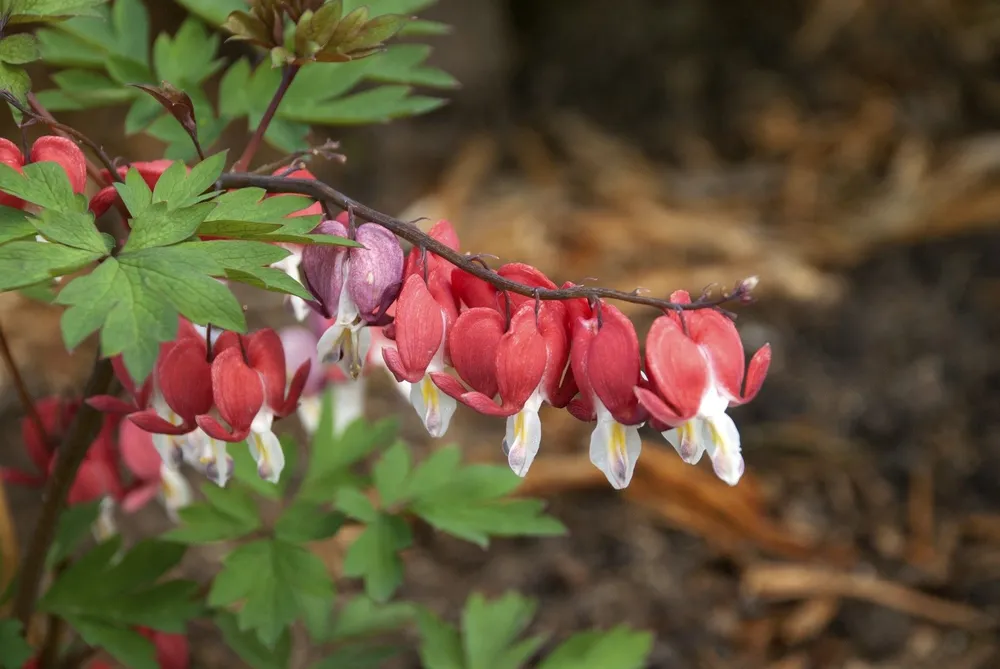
{"x":234,"y":254}
{"x":125,"y":592}
{"x":130,"y":21}
{"x":362,"y":617}
{"x":377,"y":105}
{"x":252,"y":205}
{"x":332,"y":455}
{"x":74,"y":525}
{"x":302,"y":522}
{"x":235,"y":502}
{"x":245,"y":471}
{"x":15,"y":651}
{"x":135,"y":192}
{"x":24,"y":263}
{"x":159,"y":225}
{"x":73,"y":229}
{"x":188,"y":57}
{"x":278,"y":583}
{"x":40,"y":292}
{"x":15,"y":80}
{"x":619,"y":648}
{"x":14,"y":224}
{"x":214,"y":12}
{"x":270,"y":279}
{"x":470,"y":502}
{"x":134,"y":300}
{"x":128,"y":647}
{"x":390,"y":473}
{"x":248,"y":646}
{"x":45,"y":184}
{"x":374,"y":556}
{"x":61,"y":48}
{"x":359,"y":656}
{"x":403,"y":64}
{"x":19,"y":49}
{"x":42,"y":11}
{"x":205,"y":524}
{"x":179,"y":189}
{"x":356,"y":504}
{"x":489,"y":630}
{"x":440,"y":643}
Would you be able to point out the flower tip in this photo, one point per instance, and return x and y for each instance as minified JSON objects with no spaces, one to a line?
{"x":747,"y":285}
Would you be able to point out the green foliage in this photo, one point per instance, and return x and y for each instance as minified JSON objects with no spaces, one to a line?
{"x":46,"y":11}
{"x":276,"y":582}
{"x":14,"y":650}
{"x":248,"y":646}
{"x":491,"y":638}
{"x":74,"y":525}
{"x":103,"y":595}
{"x":110,"y":48}
{"x":228,"y":513}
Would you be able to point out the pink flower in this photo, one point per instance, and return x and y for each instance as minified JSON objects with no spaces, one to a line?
{"x":153,"y":477}
{"x":50,"y":148}
{"x":606,"y":367}
{"x":697,"y":369}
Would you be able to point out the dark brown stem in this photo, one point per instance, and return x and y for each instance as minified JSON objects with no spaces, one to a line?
{"x":53,"y":635}
{"x":22,"y":388}
{"x":287,"y":76}
{"x":42,"y":114}
{"x":325,"y":150}
{"x":70,"y":455}
{"x":471,"y":264}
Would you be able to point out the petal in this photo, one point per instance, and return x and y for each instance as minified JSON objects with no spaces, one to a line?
{"x":613,"y":364}
{"x":521,"y":358}
{"x":687,"y":440}
{"x":19,"y":477}
{"x":175,"y":491}
{"x":105,"y":526}
{"x":266,"y":450}
{"x":215,"y":461}
{"x":348,"y":404}
{"x":472,"y":291}
{"x":676,"y":367}
{"x":110,"y":404}
{"x":150,"y":421}
{"x":722,"y":441}
{"x":434,"y":407}
{"x":756,"y":372}
{"x":172,"y":651}
{"x":376,"y":271}
{"x":266,"y":355}
{"x":184,"y":377}
{"x":237,"y":389}
{"x":660,"y":412}
{"x":473,"y":341}
{"x":66,"y":153}
{"x":309,"y":411}
{"x":323,"y":267}
{"x":170,"y":448}
{"x":557,"y":381}
{"x":614,"y":449}
{"x":525,"y":274}
{"x":139,"y":497}
{"x":420,"y":330}
{"x":524,"y":435}
{"x":717,"y":336}
{"x":138,"y":451}
{"x":299,"y":344}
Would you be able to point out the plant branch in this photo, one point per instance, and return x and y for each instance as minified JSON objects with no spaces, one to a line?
{"x":22,"y":388}
{"x":325,"y":150}
{"x":287,"y":76}
{"x":471,"y":264}
{"x":70,"y":455}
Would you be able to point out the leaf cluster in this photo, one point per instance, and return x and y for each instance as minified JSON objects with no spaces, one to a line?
{"x":104,"y":55}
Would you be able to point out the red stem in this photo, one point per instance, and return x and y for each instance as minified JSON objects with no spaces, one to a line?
{"x":287,"y":76}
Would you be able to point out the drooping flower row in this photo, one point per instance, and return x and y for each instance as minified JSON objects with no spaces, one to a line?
{"x":511,"y":354}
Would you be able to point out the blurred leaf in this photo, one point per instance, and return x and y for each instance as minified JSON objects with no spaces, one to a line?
{"x":440,"y":643}
{"x":362,"y":617}
{"x":41,"y":11}
{"x":619,"y":648}
{"x":359,"y":656}
{"x":303,"y":522}
{"x":377,"y":105}
{"x":205,"y":524}
{"x":212,"y":11}
{"x":128,"y":647}
{"x":187,"y":58}
{"x":390,"y":473}
{"x":278,"y":583}
{"x":491,"y":628}
{"x":19,"y":49}
{"x":74,"y":525}
{"x":248,"y":646}
{"x":356,"y":504}
{"x":374,"y":556}
{"x":15,"y":651}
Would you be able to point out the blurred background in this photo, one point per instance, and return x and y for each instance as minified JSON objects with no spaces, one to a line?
{"x":848,"y":153}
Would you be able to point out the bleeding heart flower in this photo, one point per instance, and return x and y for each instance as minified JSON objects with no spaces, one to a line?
{"x":290,"y":264}
{"x":65,"y":153}
{"x":421,"y":335}
{"x":606,"y":367}
{"x":696,"y":366}
{"x":249,"y":389}
{"x":355,"y":286}
{"x":172,"y":650}
{"x":153,"y":477}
